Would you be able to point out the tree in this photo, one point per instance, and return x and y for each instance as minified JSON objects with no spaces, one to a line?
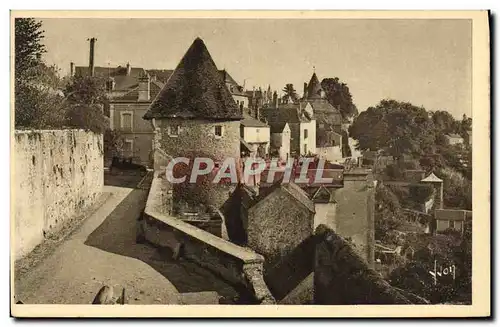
{"x":339,"y":96}
{"x":37,"y":98}
{"x":290,"y":95}
{"x":85,"y":98}
{"x":399,"y":128}
{"x":28,"y":47}
{"x":457,"y":190}
{"x":387,"y":212}
{"x":444,"y":122}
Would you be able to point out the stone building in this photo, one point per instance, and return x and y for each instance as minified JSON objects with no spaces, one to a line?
{"x":236,"y":90}
{"x":130,"y":91}
{"x":256,"y":134}
{"x":315,"y":103}
{"x":279,"y":219}
{"x":328,"y":120}
{"x":455,"y":219}
{"x":280,"y":140}
{"x":302,"y":126}
{"x":258,"y":99}
{"x":195,"y":115}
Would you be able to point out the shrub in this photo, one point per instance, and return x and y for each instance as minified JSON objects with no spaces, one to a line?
{"x":386,"y":198}
{"x":37,"y":108}
{"x":113,"y":143}
{"x":420,"y":193}
{"x":394,"y":172}
{"x":87,"y":117}
{"x":410,"y":165}
{"x":387,"y":213}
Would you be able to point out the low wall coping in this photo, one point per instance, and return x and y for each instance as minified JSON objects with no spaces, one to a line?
{"x":28,"y":131}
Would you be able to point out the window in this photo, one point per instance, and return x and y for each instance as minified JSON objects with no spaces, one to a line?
{"x":173,"y":130}
{"x":452,"y":224}
{"x":305,"y":134}
{"x":126,"y":121}
{"x":305,"y":148}
{"x":218,"y":131}
{"x":257,"y":130}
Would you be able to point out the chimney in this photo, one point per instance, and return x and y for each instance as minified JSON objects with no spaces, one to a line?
{"x":305,"y":90}
{"x":129,"y":69}
{"x":71,"y":69}
{"x":91,"y":56}
{"x":275,"y":99}
{"x":144,"y":87}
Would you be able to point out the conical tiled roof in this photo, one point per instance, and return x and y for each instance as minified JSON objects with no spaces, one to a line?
{"x":314,"y":88}
{"x":195,"y":90}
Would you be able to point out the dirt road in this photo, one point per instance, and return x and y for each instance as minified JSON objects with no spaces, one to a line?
{"x":103,"y":251}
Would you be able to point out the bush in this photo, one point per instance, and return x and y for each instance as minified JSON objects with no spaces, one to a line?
{"x":420,"y":193}
{"x":394,"y":172}
{"x":37,"y":108}
{"x":113,"y":143}
{"x":87,"y":117}
{"x":410,"y":165}
{"x":387,"y":212}
{"x":386,"y":198}
{"x":401,"y":192}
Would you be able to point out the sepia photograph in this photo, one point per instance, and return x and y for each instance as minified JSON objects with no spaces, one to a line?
{"x":281,"y":164}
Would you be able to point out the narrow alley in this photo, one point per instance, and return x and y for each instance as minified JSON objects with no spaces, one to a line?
{"x":103,"y":251}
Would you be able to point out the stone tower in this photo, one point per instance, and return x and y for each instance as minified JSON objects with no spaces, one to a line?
{"x":194,"y":115}
{"x":314,"y":89}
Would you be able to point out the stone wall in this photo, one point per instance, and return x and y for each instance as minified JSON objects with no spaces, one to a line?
{"x":239,"y":266}
{"x":355,"y":212}
{"x":342,"y":277}
{"x":277,"y":224}
{"x":56,"y":175}
{"x":196,"y":138}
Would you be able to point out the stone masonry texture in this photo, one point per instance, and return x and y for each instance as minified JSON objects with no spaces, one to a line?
{"x":57,"y":173}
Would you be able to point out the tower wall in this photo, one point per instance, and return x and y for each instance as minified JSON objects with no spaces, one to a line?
{"x":196,"y":138}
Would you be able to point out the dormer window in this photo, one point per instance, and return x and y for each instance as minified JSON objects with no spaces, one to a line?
{"x":218,"y":131}
{"x":173,"y":130}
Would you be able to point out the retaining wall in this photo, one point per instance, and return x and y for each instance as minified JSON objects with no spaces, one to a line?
{"x":235,"y":264}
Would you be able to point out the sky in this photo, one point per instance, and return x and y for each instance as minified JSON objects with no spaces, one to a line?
{"x":425,"y":62}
